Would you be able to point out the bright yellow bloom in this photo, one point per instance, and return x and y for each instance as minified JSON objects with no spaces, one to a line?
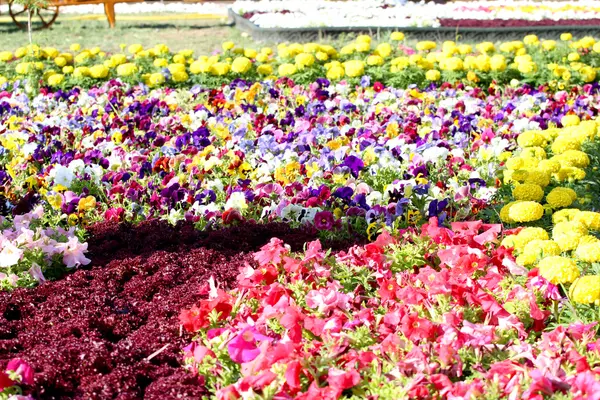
{"x":560,"y":197}
{"x":56,"y":79}
{"x":433,"y":75}
{"x":127,"y":69}
{"x":558,"y":270}
{"x":86,"y":203}
{"x":585,"y":290}
{"x":526,"y":211}
{"x":286,"y":69}
{"x":241,"y":65}
{"x":99,"y":71}
{"x":397,"y":36}
{"x":528,"y":192}
{"x":354,"y":68}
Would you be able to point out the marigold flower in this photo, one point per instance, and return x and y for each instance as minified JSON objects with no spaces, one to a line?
{"x":354,"y":68}
{"x":588,"y":252}
{"x":526,"y":211}
{"x":558,"y":270}
{"x":561,"y":197}
{"x":528,"y":192}
{"x":585,"y":290}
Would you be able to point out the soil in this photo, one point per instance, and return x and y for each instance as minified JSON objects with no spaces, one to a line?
{"x":89,"y":335}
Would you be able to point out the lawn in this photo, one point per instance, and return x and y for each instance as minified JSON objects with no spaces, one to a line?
{"x":201,"y":35}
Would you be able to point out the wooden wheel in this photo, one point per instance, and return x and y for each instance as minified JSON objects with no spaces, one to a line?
{"x":42,"y":18}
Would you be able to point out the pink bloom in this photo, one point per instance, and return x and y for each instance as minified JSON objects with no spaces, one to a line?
{"x":327,"y":299}
{"x":21,"y":368}
{"x":272,"y":252}
{"x":243,"y":348}
{"x":343,"y":380}
{"x":73,"y":253}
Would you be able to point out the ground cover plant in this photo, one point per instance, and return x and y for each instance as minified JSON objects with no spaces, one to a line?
{"x":391,"y":234}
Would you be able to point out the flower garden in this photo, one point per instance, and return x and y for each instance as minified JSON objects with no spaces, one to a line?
{"x":376,"y":219}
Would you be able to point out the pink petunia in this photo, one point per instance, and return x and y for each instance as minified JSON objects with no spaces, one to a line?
{"x":243,"y":348}
{"x":73,"y":253}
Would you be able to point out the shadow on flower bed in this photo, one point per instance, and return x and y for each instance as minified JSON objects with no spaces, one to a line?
{"x":92,"y":334}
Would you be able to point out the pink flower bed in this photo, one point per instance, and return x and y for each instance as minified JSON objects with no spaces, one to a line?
{"x":373,"y":322}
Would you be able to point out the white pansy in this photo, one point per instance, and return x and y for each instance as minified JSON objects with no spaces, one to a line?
{"x":63,"y":176}
{"x":435,"y":154}
{"x":237,"y":200}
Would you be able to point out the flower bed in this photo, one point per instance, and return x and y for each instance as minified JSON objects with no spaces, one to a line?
{"x":435,"y":312}
{"x":438,"y":240}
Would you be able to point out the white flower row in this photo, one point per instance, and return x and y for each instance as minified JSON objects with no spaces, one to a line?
{"x":371,"y":13}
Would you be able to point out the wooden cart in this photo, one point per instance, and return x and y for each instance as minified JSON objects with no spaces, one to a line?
{"x":48,"y":14}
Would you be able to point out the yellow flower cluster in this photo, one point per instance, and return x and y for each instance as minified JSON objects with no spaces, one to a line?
{"x":553,"y":158}
{"x":571,"y":62}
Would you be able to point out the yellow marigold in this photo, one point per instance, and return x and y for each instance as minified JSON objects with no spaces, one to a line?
{"x":570,"y":120}
{"x":98,"y":71}
{"x":505,"y":213}
{"x":526,"y":211}
{"x":576,"y":227}
{"x":588,"y":252}
{"x":565,"y":37}
{"x":534,"y":152}
{"x":383,"y":49}
{"x":561,"y":197}
{"x":286,"y":69}
{"x":531,"y":138}
{"x":525,"y":259}
{"x":569,"y":174}
{"x":538,"y":249}
{"x":397,"y":36}
{"x":199,"y":67}
{"x":585,"y":290}
{"x":509,"y":242}
{"x":179,"y":76}
{"x":6,"y":56}
{"x":549,"y":166}
{"x":563,"y":143}
{"x":514,"y":163}
{"x":241,"y":65}
{"x":335,"y":73}
{"x":426,"y":45}
{"x":375,"y":60}
{"x":127,"y":69}
{"x":574,"y":158}
{"x":265,"y":69}
{"x":530,"y":234}
{"x":538,"y":177}
{"x":528,"y":192}
{"x":156,"y":79}
{"x":219,"y":68}
{"x":558,"y":270}
{"x":354,"y":68}
{"x":497,"y":63}
{"x":591,"y":219}
{"x":304,"y":60}
{"x":432,"y":75}
{"x":56,"y":79}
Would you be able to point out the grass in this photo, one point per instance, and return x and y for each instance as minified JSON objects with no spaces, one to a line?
{"x":201,"y":35}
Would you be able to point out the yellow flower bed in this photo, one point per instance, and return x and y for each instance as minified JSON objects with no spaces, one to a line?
{"x":558,"y":64}
{"x":541,"y":172}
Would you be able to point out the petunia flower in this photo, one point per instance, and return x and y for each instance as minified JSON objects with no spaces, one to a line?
{"x":243,"y":347}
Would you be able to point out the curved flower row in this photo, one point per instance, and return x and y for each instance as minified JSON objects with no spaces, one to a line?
{"x":342,"y":160}
{"x":391,"y":62}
